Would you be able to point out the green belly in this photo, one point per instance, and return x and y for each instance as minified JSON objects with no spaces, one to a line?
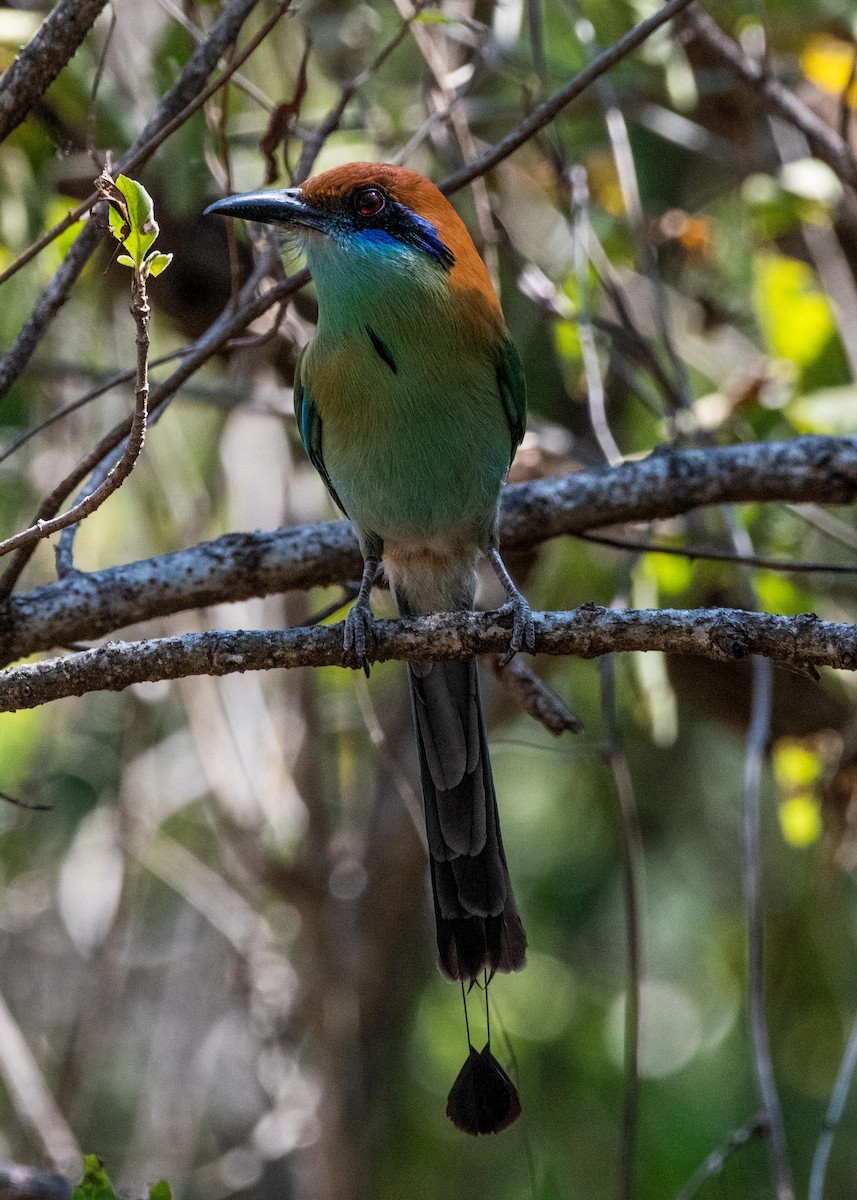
{"x":416,"y":454}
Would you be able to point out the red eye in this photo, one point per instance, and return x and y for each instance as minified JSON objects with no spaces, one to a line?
{"x":369,"y":201}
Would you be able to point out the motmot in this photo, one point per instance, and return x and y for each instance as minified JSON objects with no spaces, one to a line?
{"x":410,"y":401}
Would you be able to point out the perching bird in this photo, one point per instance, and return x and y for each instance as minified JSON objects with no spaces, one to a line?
{"x":411,"y":402}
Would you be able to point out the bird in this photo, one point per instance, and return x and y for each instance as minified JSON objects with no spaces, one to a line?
{"x":411,"y":402}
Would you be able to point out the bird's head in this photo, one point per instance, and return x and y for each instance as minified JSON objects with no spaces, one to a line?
{"x":371,"y":224}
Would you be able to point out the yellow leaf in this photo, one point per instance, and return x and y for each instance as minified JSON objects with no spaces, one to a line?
{"x":793,"y":312}
{"x":795,"y":765}
{"x":800,"y":820}
{"x":826,"y":62}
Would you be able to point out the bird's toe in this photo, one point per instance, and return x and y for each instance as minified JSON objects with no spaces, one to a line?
{"x":523,"y":627}
{"x":358,"y":639}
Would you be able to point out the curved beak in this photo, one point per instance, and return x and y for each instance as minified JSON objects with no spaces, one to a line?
{"x":274,"y":207}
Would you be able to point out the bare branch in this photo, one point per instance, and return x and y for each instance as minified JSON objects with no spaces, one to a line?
{"x":693,"y":553}
{"x":833,"y":1116}
{"x":314,"y":141}
{"x":717,"y":1159}
{"x":632,"y":842}
{"x":230,"y":322}
{"x":546,"y":112}
{"x":757,"y":741}
{"x":186,"y":89}
{"x":42,"y":59}
{"x":18,"y":1182}
{"x":241,"y":565}
{"x":725,"y":634}
{"x":120,"y":471}
{"x":825,"y":142}
{"x":31,"y":1100}
{"x":534,"y":696}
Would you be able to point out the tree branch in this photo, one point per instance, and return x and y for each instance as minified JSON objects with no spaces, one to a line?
{"x":120,"y":471}
{"x":242,"y":565}
{"x":218,"y":334}
{"x":42,"y":59}
{"x":547,"y":111}
{"x":189,"y":83}
{"x":725,"y":634}
{"x":18,"y":1182}
{"x":825,"y":142}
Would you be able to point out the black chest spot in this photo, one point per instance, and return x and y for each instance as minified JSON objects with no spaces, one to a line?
{"x":382,"y":350}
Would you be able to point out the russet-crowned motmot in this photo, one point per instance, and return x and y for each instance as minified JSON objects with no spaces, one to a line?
{"x":411,"y":402}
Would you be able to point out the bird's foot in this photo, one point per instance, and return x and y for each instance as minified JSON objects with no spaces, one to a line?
{"x":523,"y":627}
{"x":358,"y":639}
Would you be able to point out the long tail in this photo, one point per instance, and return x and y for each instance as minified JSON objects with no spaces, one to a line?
{"x":478,"y":926}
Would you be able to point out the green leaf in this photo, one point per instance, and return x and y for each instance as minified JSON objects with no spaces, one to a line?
{"x":118,"y":225}
{"x":140,"y":207}
{"x":95,"y":1184}
{"x":126,"y":260}
{"x":160,"y":1191}
{"x":141,"y":215}
{"x":156,"y":263}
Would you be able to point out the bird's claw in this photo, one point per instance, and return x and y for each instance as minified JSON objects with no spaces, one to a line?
{"x":523,"y":627}
{"x":358,"y":639}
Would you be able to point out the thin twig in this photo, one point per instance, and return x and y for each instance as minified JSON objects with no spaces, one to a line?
{"x":457,"y":119}
{"x":534,"y":696}
{"x":717,"y":1159}
{"x":33,"y":1104}
{"x":761,"y":700}
{"x":695,"y":552}
{"x":134,"y":445}
{"x":629,"y":184}
{"x":544,"y":113}
{"x":154,"y":135}
{"x":314,"y":142}
{"x":241,"y":81}
{"x":827,"y":523}
{"x":588,"y":349}
{"x":833,"y":1116}
{"x":826,"y":142}
{"x":91,"y":119}
{"x":183,"y":99}
{"x":219,"y":334}
{"x":74,"y":405}
{"x":632,"y":840}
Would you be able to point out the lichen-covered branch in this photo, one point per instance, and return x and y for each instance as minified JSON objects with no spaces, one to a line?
{"x":241,"y":565}
{"x":803,"y":642}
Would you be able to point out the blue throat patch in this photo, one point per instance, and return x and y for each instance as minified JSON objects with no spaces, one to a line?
{"x":404,"y":227}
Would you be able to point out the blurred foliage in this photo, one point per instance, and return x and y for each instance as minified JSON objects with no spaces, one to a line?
{"x":186,"y":1001}
{"x":96,"y":1185}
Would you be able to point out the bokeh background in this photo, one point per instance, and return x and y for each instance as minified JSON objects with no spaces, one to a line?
{"x":215,"y":949}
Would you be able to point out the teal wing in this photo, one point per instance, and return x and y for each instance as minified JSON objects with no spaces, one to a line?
{"x":513,"y":393}
{"x":309,"y":427}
